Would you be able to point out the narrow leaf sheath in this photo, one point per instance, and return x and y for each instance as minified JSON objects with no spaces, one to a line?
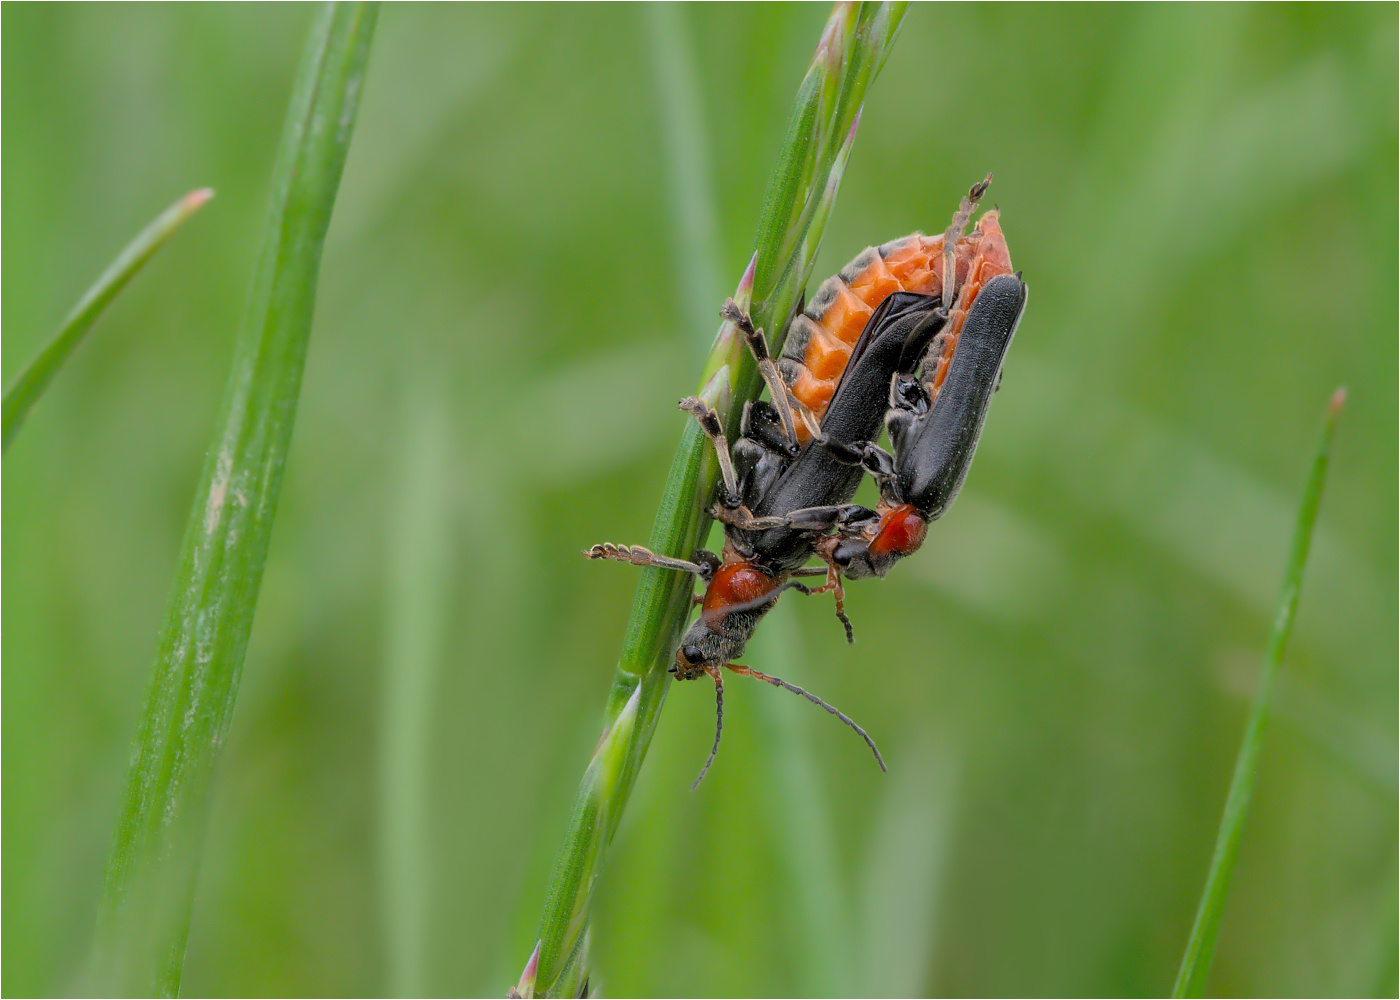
{"x":144,"y":920}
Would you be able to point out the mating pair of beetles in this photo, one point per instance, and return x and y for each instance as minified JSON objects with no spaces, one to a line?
{"x":910,"y":334}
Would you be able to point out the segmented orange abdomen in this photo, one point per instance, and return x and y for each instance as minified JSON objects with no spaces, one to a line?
{"x":989,"y":259}
{"x":820,"y":339}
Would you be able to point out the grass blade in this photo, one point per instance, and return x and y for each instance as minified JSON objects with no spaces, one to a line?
{"x":145,"y":913}
{"x":693,"y":212}
{"x":416,"y":627}
{"x":819,"y":133}
{"x":1200,"y":947}
{"x":26,"y":388}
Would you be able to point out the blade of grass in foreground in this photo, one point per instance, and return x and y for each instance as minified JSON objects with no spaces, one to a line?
{"x":820,"y":133}
{"x":26,"y":388}
{"x":145,"y":913}
{"x":1200,"y":947}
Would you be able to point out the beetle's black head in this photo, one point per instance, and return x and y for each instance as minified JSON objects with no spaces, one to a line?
{"x":899,"y":532}
{"x":858,"y":558}
{"x":852,"y":557}
{"x":737,"y":596}
{"x":704,"y":648}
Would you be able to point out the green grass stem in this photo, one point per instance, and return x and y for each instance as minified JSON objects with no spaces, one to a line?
{"x":26,"y":388}
{"x":820,"y":133}
{"x":151,"y":871}
{"x":1200,"y":947}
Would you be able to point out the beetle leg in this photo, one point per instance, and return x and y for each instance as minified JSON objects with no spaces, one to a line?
{"x":954,"y":233}
{"x":854,"y":518}
{"x":758,"y":344}
{"x":708,"y":561}
{"x":879,"y":463}
{"x":809,"y":419}
{"x":909,"y":393}
{"x":815,"y":518}
{"x":741,"y":517}
{"x":639,"y":556}
{"x":763,"y":425}
{"x":833,"y":586}
{"x":848,"y":454}
{"x":714,"y":429}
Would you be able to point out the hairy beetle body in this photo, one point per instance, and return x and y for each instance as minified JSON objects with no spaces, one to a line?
{"x":787,"y":483}
{"x":823,"y":474}
{"x":771,"y":535}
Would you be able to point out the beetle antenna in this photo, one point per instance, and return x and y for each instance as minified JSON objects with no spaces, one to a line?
{"x":719,"y":725}
{"x":779,"y":682}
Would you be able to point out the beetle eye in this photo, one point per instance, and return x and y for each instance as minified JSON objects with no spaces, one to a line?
{"x":842,"y":554}
{"x":692,"y":654}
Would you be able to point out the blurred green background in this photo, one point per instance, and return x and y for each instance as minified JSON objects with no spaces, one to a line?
{"x":542,"y":211}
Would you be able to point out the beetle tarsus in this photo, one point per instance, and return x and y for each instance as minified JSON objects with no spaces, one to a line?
{"x":758,"y":344}
{"x":954,"y":233}
{"x":837,"y":591}
{"x":713,"y":427}
{"x":741,"y":517}
{"x":637,"y":555}
{"x":707,"y":561}
{"x":845,"y":621}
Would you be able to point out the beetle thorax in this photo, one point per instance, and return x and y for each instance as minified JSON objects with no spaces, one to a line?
{"x":900,"y":531}
{"x":738,"y":595}
{"x":737,"y":586}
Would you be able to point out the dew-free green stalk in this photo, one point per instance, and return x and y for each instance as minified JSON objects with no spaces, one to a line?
{"x":1200,"y":947}
{"x":144,"y":918}
{"x":820,"y":134}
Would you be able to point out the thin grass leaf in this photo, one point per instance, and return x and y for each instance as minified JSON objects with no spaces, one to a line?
{"x":144,"y":919}
{"x":693,"y":214}
{"x":26,"y":388}
{"x":1200,"y":947}
{"x":416,"y":621}
{"x":853,"y":45}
